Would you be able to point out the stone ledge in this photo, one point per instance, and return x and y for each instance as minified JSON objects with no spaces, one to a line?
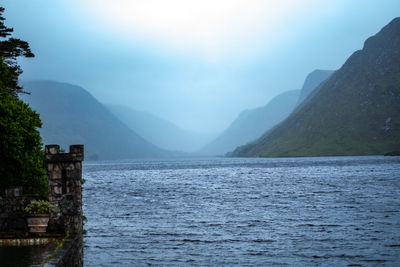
{"x":64,"y":157}
{"x":58,"y":252}
{"x":19,"y":242}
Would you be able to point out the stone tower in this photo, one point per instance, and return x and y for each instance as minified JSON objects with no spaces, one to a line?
{"x":65,"y":187}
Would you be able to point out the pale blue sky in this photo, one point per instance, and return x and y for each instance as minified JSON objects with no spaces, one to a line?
{"x":195,"y":63}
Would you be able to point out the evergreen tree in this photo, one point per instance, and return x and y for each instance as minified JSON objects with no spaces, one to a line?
{"x":10,"y":49}
{"x":22,"y":157}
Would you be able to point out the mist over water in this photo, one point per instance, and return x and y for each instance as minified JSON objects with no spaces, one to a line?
{"x":289,"y":211}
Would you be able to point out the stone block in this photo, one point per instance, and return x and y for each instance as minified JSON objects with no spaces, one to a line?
{"x":52,"y":149}
{"x":57,"y":190}
{"x":75,"y":175}
{"x":54,"y":183}
{"x":15,"y":191}
{"x":71,"y":166}
{"x":55,"y":175}
{"x":78,"y":165}
{"x":49,"y":167}
{"x":76,"y":149}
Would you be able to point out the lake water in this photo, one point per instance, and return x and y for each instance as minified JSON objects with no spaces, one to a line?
{"x":248,"y":212}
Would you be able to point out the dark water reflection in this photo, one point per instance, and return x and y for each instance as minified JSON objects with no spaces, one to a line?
{"x":23,"y":256}
{"x":297,"y":211}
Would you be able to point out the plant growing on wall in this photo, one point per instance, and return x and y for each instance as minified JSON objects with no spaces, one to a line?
{"x":22,"y":158}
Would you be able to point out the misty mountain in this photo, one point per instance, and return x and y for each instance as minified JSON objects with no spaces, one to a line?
{"x":71,"y":115}
{"x":158,"y":131}
{"x":355,"y":112}
{"x":313,"y":80}
{"x":251,"y":124}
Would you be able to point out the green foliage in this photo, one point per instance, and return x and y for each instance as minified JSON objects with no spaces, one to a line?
{"x":60,"y":243}
{"x":10,"y":49}
{"x":39,"y":207}
{"x":84,"y":219}
{"x":22,"y":158}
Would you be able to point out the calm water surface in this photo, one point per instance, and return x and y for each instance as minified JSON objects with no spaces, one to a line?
{"x":224,"y":211}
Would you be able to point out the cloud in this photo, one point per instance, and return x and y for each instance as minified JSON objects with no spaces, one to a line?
{"x":208,"y":27}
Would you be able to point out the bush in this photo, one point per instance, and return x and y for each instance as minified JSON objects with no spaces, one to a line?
{"x":22,"y":157}
{"x":39,"y":207}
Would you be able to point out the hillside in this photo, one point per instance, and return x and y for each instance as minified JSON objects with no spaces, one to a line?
{"x":158,"y":131}
{"x":70,"y":115}
{"x":355,"y":112}
{"x":251,"y":124}
{"x":313,"y":80}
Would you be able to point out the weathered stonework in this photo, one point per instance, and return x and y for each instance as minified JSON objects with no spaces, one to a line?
{"x":65,"y":188}
{"x":12,"y":215}
{"x":72,"y":253}
{"x":65,"y":193}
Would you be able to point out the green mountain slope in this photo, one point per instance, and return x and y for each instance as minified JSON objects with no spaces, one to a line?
{"x":158,"y":131}
{"x":251,"y":124}
{"x":355,"y":112}
{"x":70,"y":115}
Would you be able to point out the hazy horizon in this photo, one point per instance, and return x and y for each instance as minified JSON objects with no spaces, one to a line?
{"x":196,"y":64}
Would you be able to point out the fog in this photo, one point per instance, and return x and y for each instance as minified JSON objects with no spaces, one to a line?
{"x":195,"y":63}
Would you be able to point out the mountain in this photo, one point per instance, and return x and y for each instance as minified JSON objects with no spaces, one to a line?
{"x":70,"y":115}
{"x":355,"y":112}
{"x":251,"y":124}
{"x":158,"y":131}
{"x":313,"y":80}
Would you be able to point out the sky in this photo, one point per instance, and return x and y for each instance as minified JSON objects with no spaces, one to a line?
{"x":195,"y":63}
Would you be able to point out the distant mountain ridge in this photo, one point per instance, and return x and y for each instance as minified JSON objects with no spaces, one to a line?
{"x":71,"y":115}
{"x":158,"y":131}
{"x":251,"y":124}
{"x":355,"y":112}
{"x":313,"y":80}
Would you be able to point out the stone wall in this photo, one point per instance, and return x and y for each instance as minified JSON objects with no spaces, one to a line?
{"x":65,"y":193}
{"x":65,"y":187}
{"x":12,"y":215}
{"x":72,"y":253}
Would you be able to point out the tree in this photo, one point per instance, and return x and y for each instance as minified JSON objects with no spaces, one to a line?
{"x":22,"y":157}
{"x":10,"y":49}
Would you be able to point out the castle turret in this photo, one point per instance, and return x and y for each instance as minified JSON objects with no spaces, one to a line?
{"x":65,"y":187}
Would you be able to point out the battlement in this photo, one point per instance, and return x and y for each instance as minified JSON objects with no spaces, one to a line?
{"x":65,"y":186}
{"x":53,"y":154}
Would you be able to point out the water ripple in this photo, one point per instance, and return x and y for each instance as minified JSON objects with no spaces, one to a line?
{"x":247,"y":212}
